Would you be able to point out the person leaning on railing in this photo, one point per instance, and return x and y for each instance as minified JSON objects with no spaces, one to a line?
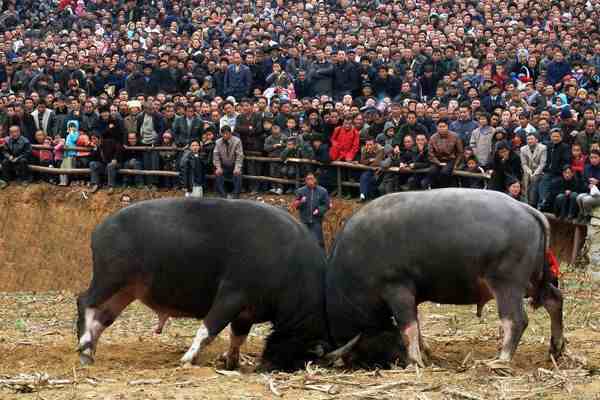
{"x":16,"y":154}
{"x":132,"y":159}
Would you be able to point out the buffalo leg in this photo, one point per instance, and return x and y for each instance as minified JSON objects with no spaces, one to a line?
{"x":96,"y":319}
{"x":224,"y":310}
{"x":162,"y":321}
{"x":404,"y":307}
{"x":425,"y":350}
{"x":513,"y":318}
{"x":553,"y":303}
{"x":239,"y":332}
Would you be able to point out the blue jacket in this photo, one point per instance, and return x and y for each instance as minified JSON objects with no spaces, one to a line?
{"x":71,"y":140}
{"x":557,"y":70}
{"x":315,"y":199}
{"x":590,"y":172}
{"x":237,"y":83}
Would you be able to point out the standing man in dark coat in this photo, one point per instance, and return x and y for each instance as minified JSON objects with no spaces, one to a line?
{"x":248,"y":127}
{"x":346,"y":77}
{"x":313,"y":202}
{"x":238,"y":79}
{"x":107,"y":157}
{"x":558,"y":154}
{"x":320,"y":75}
{"x":188,"y":127}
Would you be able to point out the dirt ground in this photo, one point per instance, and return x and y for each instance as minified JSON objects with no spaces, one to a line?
{"x":45,"y":261}
{"x":38,"y":359}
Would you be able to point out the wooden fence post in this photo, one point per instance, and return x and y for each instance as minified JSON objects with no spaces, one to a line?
{"x":339,"y":180}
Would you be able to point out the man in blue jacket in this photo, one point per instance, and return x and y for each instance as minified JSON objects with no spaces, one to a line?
{"x":558,"y":68}
{"x":238,"y":79}
{"x":313,"y":202}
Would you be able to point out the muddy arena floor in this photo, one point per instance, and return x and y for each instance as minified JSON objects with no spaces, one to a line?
{"x":38,"y":359}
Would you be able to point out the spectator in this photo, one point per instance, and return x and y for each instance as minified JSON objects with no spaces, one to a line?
{"x":506,"y":166}
{"x":16,"y":154}
{"x":578,"y":159}
{"x":445,"y":153}
{"x":344,"y":141}
{"x":371,"y":155}
{"x":473,"y":167}
{"x":481,"y":140}
{"x":412,"y":128}
{"x":533,"y":160}
{"x":321,"y":154}
{"x":194,"y":171}
{"x":150,"y":127}
{"x":320,"y":75}
{"x":294,"y":149}
{"x":274,"y":145}
{"x":588,"y":137}
{"x":107,"y":155}
{"x":168,"y":159}
{"x":132,"y":159}
{"x":591,"y":178}
{"x":228,"y":157}
{"x":248,"y":127}
{"x":44,"y":118}
{"x":421,"y":161}
{"x":464,"y":125}
{"x":187,"y":127}
{"x":565,"y":197}
{"x":513,"y":189}
{"x":558,"y":156}
{"x":313,"y":202}
{"x":238,"y":78}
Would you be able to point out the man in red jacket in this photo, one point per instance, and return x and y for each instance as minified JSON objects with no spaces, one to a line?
{"x":344,"y":141}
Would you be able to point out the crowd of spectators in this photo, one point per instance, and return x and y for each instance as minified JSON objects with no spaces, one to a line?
{"x":505,"y":88}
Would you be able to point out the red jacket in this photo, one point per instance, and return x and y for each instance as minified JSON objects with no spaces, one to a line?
{"x":344,"y":144}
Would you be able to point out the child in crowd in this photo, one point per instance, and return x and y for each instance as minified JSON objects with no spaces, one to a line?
{"x":514,"y":190}
{"x":168,"y":160}
{"x":472,"y":166}
{"x":69,"y":156}
{"x":194,"y":171}
{"x":578,"y":159}
{"x":274,"y":145}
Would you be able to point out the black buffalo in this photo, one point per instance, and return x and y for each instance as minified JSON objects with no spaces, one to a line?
{"x":227,"y":262}
{"x":449,"y":246}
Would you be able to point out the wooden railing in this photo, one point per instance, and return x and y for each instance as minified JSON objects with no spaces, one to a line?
{"x":339,"y":166}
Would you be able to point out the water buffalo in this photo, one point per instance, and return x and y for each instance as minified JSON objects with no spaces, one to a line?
{"x":449,"y":246}
{"x":227,"y":262}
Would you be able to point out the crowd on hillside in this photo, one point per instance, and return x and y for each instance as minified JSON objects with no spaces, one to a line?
{"x":505,"y":88}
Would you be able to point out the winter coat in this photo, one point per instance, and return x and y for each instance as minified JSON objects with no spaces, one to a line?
{"x":481,"y":143}
{"x":557,"y":157}
{"x":344,"y":144}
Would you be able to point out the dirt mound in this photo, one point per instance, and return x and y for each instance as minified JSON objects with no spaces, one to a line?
{"x":45,"y":231}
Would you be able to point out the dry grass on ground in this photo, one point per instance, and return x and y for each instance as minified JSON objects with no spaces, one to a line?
{"x":37,"y":358}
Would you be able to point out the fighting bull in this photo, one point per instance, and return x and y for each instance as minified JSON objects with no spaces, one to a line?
{"x":231,"y":263}
{"x":449,"y":246}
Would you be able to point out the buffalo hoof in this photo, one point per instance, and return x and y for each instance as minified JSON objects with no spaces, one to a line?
{"x":556,"y":349}
{"x":501,"y":367}
{"x":86,"y":359}
{"x":232,"y":362}
{"x":188,"y":360}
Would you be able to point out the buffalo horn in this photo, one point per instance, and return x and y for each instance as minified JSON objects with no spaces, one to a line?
{"x":341,"y":352}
